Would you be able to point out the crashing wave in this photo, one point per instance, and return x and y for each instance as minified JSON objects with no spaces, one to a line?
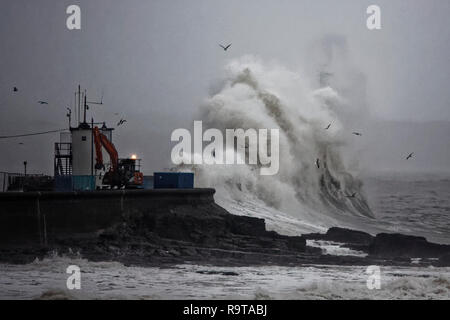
{"x":259,"y":96}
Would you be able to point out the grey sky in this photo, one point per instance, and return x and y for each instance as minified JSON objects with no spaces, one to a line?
{"x":157,"y":60}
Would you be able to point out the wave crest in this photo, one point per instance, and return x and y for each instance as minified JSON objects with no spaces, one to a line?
{"x":260,"y":96}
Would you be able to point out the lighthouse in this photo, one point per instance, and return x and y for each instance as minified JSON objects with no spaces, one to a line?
{"x":75,"y":154}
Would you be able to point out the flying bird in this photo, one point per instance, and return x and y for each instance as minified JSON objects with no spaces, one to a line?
{"x":357,"y":133}
{"x":352,"y":195}
{"x":15,"y":89}
{"x":42,"y":102}
{"x":318,"y":163}
{"x":225,"y":48}
{"x":410,"y":156}
{"x":21,"y":143}
{"x":328,"y":127}
{"x":121,"y":122}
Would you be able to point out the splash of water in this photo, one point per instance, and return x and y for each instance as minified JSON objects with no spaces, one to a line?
{"x":313,"y":177}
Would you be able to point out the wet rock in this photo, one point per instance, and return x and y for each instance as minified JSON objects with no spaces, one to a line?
{"x":296,"y":243}
{"x":188,"y":251}
{"x":224,"y":273}
{"x":444,"y":260}
{"x":400,"y":245}
{"x":343,"y":235}
{"x":174,"y":252}
{"x":208,"y":234}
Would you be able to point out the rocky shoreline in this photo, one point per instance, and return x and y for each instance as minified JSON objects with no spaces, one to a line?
{"x":393,"y":248}
{"x":210,"y":235}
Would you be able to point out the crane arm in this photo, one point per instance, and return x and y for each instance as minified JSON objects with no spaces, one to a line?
{"x":101,"y":140}
{"x":98,"y":149}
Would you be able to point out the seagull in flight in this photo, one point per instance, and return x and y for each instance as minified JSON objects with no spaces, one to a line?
{"x":318,"y":163}
{"x":121,"y":122}
{"x":42,"y":102}
{"x":352,"y":195}
{"x":225,"y":48}
{"x":410,"y":156}
{"x":357,"y":133}
{"x":328,"y":127}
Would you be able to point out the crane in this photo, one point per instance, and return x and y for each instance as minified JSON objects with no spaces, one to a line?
{"x":122,"y":172}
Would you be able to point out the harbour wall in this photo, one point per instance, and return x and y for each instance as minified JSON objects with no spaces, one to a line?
{"x":38,"y":218}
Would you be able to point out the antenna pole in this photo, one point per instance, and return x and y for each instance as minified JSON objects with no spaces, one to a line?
{"x":85,"y":106}
{"x":69,"y":115}
{"x":75,"y":105}
{"x":79,"y":103}
{"x":92,"y":148}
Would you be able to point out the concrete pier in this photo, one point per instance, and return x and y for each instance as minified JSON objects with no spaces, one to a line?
{"x":37,"y":218}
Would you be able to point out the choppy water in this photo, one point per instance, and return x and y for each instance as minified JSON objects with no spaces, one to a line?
{"x":47,"y":280}
{"x":418,"y":205}
{"x":412,"y":204}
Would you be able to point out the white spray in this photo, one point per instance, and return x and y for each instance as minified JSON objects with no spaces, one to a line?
{"x":312,"y":181}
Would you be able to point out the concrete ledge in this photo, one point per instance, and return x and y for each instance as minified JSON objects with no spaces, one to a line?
{"x":37,"y":218}
{"x":106,"y":193}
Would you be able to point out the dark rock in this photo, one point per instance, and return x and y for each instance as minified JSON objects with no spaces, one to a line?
{"x":174,"y":252}
{"x":349,"y":236}
{"x":343,"y":235}
{"x":400,"y":245}
{"x":247,"y":226}
{"x":296,"y":243}
{"x":225,"y":273}
{"x":205,"y":233}
{"x":230,"y":273}
{"x":444,"y":260}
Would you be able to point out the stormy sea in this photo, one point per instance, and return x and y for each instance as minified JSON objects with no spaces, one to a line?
{"x":416,"y":205}
{"x":318,"y":186}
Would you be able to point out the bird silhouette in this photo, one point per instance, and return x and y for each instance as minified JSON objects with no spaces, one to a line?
{"x":352,"y":195}
{"x":328,"y":127}
{"x":121,"y":122}
{"x":225,"y":48}
{"x":15,"y":89}
{"x":410,"y":156}
{"x":318,"y":163}
{"x":357,"y":133}
{"x":42,"y":102}
{"x":21,"y":143}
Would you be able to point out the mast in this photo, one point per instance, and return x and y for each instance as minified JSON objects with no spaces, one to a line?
{"x":79,"y":103}
{"x":85,"y":107}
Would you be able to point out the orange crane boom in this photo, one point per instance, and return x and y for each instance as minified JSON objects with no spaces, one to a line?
{"x":101,"y":140}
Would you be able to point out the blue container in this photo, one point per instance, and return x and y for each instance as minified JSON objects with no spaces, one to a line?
{"x":63,"y":183}
{"x":83,"y":183}
{"x":173,"y":180}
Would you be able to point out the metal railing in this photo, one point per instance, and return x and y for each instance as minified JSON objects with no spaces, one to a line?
{"x":63,"y":159}
{"x":11,"y":181}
